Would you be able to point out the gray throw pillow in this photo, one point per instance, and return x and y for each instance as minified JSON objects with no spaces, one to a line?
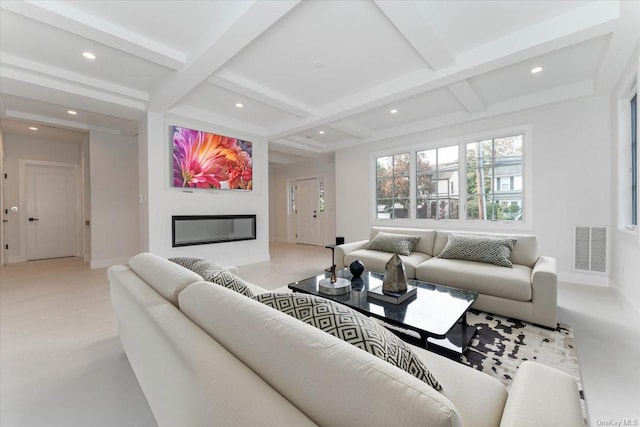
{"x":490,"y":250}
{"x":402,"y":244}
{"x":352,"y":327}
{"x":212,"y":272}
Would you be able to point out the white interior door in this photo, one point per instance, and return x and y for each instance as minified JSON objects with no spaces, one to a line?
{"x":307,"y":211}
{"x":51,"y":215}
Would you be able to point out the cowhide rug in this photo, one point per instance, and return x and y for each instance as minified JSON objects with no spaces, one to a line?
{"x":502,"y":344}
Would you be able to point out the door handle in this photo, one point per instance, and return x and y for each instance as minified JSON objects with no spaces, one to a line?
{"x":33,"y":219}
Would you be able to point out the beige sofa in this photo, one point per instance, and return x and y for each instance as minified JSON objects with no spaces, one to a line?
{"x":528,"y":291}
{"x":205,"y":355}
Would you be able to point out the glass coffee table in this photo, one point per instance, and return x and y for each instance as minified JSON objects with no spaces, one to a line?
{"x":436,"y":318}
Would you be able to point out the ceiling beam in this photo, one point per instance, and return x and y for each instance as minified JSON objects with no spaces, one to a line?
{"x":468,"y":96}
{"x":414,"y":26}
{"x":350,"y":128}
{"x":250,"y":89}
{"x":590,"y":21}
{"x":70,"y":124}
{"x":72,"y":20}
{"x":534,"y":100}
{"x":37,"y":68}
{"x":25,"y":84}
{"x":192,"y":114}
{"x":257,"y":19}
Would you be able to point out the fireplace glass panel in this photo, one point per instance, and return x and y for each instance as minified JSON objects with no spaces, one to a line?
{"x":206,"y":229}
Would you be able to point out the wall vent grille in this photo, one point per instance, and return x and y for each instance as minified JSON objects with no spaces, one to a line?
{"x":591,"y":249}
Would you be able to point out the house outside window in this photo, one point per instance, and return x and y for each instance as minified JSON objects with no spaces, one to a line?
{"x":437,"y":183}
{"x":494,"y":175}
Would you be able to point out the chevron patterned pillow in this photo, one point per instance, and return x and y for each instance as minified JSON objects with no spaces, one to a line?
{"x":402,"y":244}
{"x":490,"y":250}
{"x":352,"y":327}
{"x":214,"y":273}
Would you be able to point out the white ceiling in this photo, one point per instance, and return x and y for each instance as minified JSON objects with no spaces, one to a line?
{"x":301,"y":67}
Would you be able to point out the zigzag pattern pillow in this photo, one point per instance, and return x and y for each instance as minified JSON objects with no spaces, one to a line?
{"x":352,"y":327}
{"x":214,"y":273}
{"x":490,"y":250}
{"x":402,"y":244}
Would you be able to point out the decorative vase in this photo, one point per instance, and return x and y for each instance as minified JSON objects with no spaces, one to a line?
{"x":356,"y":268}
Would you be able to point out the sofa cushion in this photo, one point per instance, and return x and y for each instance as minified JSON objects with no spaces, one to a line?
{"x":525,"y":250}
{"x":376,"y":260}
{"x":329,"y":380}
{"x":167,"y":278}
{"x":214,"y":273}
{"x":352,"y":327}
{"x":402,"y":244}
{"x":491,"y":250}
{"x":424,"y":245}
{"x":510,"y":283}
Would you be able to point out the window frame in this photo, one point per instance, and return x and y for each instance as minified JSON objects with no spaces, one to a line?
{"x":625,"y":164}
{"x":526,"y":224}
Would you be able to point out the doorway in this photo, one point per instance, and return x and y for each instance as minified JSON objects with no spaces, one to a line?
{"x":307,"y":211}
{"x":50,"y":213}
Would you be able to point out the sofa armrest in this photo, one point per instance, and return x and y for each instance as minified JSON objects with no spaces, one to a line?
{"x":544,"y":292}
{"x":542,"y":396}
{"x":347,"y":248}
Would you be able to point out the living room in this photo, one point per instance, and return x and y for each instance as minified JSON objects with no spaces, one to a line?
{"x":317,"y":102}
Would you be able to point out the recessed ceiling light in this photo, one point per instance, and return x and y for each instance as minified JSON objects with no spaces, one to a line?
{"x":72,"y":112}
{"x":393,"y":111}
{"x":536,"y":70}
{"x":239,"y":105}
{"x":321,"y":132}
{"x":33,"y":128}
{"x":88,"y":55}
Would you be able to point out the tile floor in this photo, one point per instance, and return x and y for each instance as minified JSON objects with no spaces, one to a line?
{"x":61,"y":363}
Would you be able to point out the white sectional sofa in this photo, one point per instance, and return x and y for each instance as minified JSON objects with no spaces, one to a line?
{"x":205,"y":355}
{"x":527,"y":291}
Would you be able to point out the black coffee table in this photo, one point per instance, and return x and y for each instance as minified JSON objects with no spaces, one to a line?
{"x":435,"y":319}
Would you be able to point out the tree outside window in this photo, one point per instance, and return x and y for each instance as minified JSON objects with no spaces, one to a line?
{"x":392,"y":186}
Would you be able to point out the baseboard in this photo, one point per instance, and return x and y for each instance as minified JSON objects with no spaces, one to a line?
{"x":15,"y":258}
{"x":584,"y":279}
{"x":103,"y":263}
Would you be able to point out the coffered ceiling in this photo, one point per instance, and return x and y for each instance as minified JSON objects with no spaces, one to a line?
{"x":312,"y":76}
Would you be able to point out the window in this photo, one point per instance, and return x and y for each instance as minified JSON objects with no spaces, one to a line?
{"x":437,"y":183}
{"x":634,"y":160}
{"x":392,"y":186}
{"x":482,"y":180}
{"x":494,"y":166}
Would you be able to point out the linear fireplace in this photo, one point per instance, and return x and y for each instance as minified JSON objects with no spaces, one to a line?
{"x":187,"y":230}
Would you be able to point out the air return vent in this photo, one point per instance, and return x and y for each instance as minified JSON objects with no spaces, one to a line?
{"x":590,"y":249}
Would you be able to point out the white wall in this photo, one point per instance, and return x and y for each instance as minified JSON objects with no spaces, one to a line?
{"x":29,"y":148}
{"x":625,"y":272}
{"x":165,"y":201}
{"x":114,"y":198}
{"x":571,"y":176}
{"x":282,"y":176}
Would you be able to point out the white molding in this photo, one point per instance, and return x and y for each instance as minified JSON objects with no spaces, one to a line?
{"x":584,"y":279}
{"x":104,"y":263}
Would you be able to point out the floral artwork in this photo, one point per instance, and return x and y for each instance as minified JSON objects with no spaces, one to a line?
{"x":209,"y":160}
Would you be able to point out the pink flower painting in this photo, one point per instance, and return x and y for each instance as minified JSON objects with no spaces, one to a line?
{"x":209,"y":160}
